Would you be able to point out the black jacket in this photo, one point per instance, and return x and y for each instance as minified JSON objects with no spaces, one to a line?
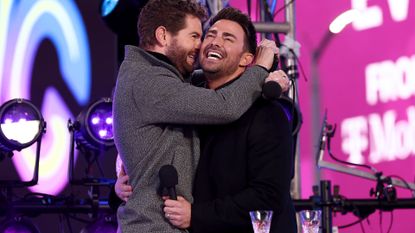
{"x":246,"y":165}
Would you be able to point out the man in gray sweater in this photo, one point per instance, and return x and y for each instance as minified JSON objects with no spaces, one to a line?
{"x":154,"y":108}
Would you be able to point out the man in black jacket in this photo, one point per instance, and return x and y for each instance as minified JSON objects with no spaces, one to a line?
{"x":245,"y":165}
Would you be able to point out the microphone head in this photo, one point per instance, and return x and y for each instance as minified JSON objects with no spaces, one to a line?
{"x":168,"y":176}
{"x":271,"y":90}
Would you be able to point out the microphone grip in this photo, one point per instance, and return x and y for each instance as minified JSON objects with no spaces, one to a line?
{"x":275,"y":63}
{"x":271,"y":90}
{"x":172,"y":193}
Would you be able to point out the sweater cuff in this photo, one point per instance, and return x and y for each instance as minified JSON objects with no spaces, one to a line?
{"x":268,"y":71}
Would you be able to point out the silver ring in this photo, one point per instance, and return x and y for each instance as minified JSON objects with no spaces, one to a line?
{"x":167,"y":215}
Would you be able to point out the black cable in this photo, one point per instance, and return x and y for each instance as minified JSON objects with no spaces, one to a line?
{"x":358,"y":214}
{"x":294,"y":101}
{"x":43,"y":195}
{"x":345,"y":162}
{"x":380,"y":220}
{"x":269,"y":17}
{"x":361,"y":227}
{"x":360,"y":220}
{"x":99,"y":167}
{"x":368,"y":222}
{"x":391,"y":222}
{"x":404,"y":181}
{"x":61,"y":228}
{"x":69,"y":223}
{"x":258,"y":10}
{"x":282,"y":8}
{"x":248,"y":3}
{"x":298,"y":61}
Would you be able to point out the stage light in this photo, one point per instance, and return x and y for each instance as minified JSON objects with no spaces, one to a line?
{"x":93,"y":126}
{"x":21,"y":125}
{"x":18,"y":225}
{"x":107,"y":6}
{"x":106,"y":224}
{"x":92,"y":133}
{"x":121,"y":18}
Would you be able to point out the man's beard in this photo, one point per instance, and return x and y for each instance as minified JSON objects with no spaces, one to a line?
{"x":178,"y":56}
{"x":225,"y":68}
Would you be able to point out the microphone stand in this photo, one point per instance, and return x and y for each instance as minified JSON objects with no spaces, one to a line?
{"x":326,"y":206}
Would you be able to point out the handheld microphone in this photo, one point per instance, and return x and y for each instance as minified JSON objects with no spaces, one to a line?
{"x":272,"y":90}
{"x":169,"y":180}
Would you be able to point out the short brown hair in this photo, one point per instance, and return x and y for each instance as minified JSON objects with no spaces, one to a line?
{"x":243,"y":20}
{"x":168,"y":13}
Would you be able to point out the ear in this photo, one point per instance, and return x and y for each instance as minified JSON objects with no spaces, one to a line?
{"x":246,"y":59}
{"x":161,"y":36}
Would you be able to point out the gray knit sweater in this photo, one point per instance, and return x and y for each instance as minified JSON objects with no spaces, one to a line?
{"x":154,"y":110}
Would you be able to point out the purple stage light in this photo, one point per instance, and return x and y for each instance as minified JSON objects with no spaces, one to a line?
{"x":99,"y":127}
{"x":21,"y":124}
{"x":95,"y":129}
{"x":103,"y":133}
{"x":95,"y":120}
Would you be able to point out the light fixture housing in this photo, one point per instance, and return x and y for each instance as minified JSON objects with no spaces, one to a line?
{"x":21,"y":125}
{"x":92,"y":133}
{"x":93,"y":126}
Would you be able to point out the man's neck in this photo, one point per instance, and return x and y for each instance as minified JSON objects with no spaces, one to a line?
{"x":215,"y":82}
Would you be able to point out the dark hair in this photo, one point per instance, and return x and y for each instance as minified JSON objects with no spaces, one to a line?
{"x":243,"y":20}
{"x":168,"y":13}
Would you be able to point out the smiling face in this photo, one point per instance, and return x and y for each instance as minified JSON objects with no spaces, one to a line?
{"x":223,"y":53}
{"x":183,"y":47}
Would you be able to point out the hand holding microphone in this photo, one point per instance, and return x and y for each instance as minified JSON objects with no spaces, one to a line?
{"x":277,"y":81}
{"x":176,"y":209}
{"x":169,"y":180}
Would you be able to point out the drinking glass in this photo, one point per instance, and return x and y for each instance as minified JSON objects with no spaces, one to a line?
{"x":310,"y":220}
{"x":261,"y":220}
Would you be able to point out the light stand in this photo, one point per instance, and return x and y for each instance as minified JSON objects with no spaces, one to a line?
{"x":92,"y":134}
{"x":21,"y":112}
{"x":35,"y":178}
{"x":21,"y":125}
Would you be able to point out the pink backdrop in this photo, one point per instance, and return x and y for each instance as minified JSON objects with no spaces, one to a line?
{"x":367,"y":84}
